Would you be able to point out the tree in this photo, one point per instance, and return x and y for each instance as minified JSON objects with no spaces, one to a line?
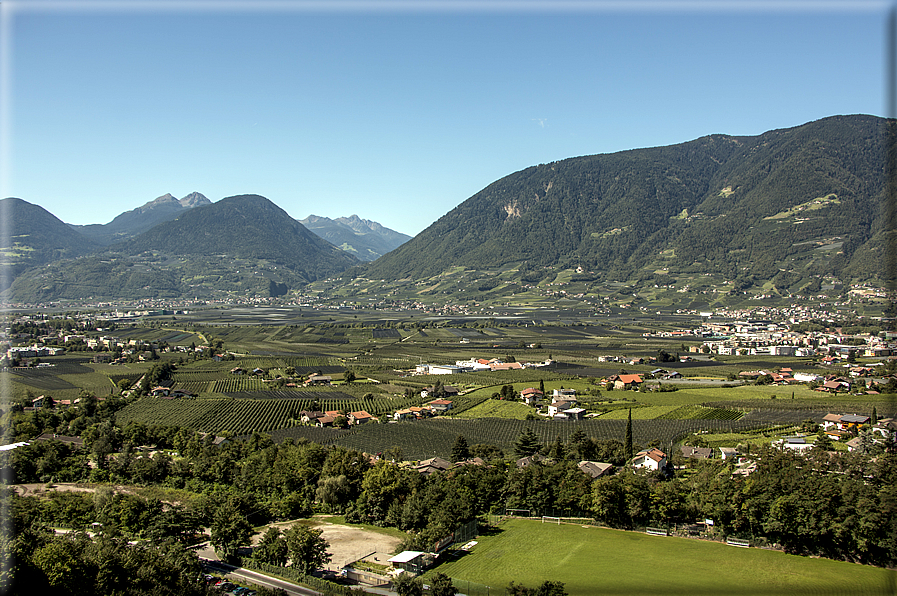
{"x":405,"y":585}
{"x":460,"y":450}
{"x":527,"y":443}
{"x":229,"y":530}
{"x":550,"y":588}
{"x":441,"y":585}
{"x":272,"y":548}
{"x":349,"y":376}
{"x":307,"y":549}
{"x":823,"y":441}
{"x":627,"y":445}
{"x":333,"y":491}
{"x":557,"y":451}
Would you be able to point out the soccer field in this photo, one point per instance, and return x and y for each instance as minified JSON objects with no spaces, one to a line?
{"x":594,"y":561}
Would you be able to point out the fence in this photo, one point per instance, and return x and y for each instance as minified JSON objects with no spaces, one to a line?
{"x":699,"y":531}
{"x":321,"y":585}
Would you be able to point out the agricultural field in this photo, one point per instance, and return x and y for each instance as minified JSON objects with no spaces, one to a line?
{"x":435,"y":437}
{"x":382,"y":349}
{"x":591,"y":560}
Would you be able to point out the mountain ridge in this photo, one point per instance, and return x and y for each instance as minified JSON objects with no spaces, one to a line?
{"x":365,"y":239}
{"x":131,"y":223}
{"x":622,"y":215}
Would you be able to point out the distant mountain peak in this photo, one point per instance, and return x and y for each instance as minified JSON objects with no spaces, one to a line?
{"x":164,"y":199}
{"x":194,"y":199}
{"x":366,"y":239}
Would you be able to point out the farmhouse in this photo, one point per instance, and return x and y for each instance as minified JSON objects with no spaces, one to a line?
{"x":432,"y":465}
{"x":843,"y":421}
{"x":310,"y":416}
{"x":571,"y":414}
{"x":559,"y":406}
{"x":652,"y":459}
{"x":625,"y":381}
{"x":531,"y":396}
{"x":440,"y":405}
{"x":595,"y":469}
{"x":319,"y":380}
{"x":359,"y":417}
{"x":795,"y":443}
{"x":696,"y":452}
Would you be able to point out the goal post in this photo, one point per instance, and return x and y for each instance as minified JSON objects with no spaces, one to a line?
{"x":551,"y":519}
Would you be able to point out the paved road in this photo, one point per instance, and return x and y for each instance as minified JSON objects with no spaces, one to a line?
{"x":239,"y":574}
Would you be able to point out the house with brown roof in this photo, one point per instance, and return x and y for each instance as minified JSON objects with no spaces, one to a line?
{"x":652,"y":459}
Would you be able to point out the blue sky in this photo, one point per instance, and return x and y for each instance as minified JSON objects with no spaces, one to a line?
{"x":397,"y":111}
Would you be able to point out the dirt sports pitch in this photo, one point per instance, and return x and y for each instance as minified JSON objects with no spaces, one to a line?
{"x":349,"y":544}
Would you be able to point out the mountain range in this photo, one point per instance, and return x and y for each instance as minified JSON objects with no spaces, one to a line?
{"x":364,"y":238}
{"x":133,"y":222}
{"x":783,"y":209}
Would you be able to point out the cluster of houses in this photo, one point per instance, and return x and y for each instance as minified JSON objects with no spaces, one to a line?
{"x":476,"y":365}
{"x":857,"y":379}
{"x":45,"y":401}
{"x":329,"y":417}
{"x":763,"y":337}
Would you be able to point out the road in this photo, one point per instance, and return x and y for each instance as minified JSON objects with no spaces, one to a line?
{"x":241,"y":575}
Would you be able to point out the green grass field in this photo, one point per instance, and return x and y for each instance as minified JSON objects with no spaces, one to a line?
{"x":592,"y":561}
{"x":494,"y":408}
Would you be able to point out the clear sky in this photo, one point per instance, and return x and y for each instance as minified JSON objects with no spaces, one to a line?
{"x":395,"y":111}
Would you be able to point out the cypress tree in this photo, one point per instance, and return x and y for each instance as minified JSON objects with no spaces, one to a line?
{"x":627,"y":445}
{"x":460,"y":450}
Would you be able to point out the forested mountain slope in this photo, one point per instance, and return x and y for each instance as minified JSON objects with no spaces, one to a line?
{"x":243,"y":244}
{"x":30,"y":236}
{"x":803,"y":201}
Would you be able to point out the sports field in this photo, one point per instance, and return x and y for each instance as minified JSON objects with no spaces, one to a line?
{"x":594,"y":561}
